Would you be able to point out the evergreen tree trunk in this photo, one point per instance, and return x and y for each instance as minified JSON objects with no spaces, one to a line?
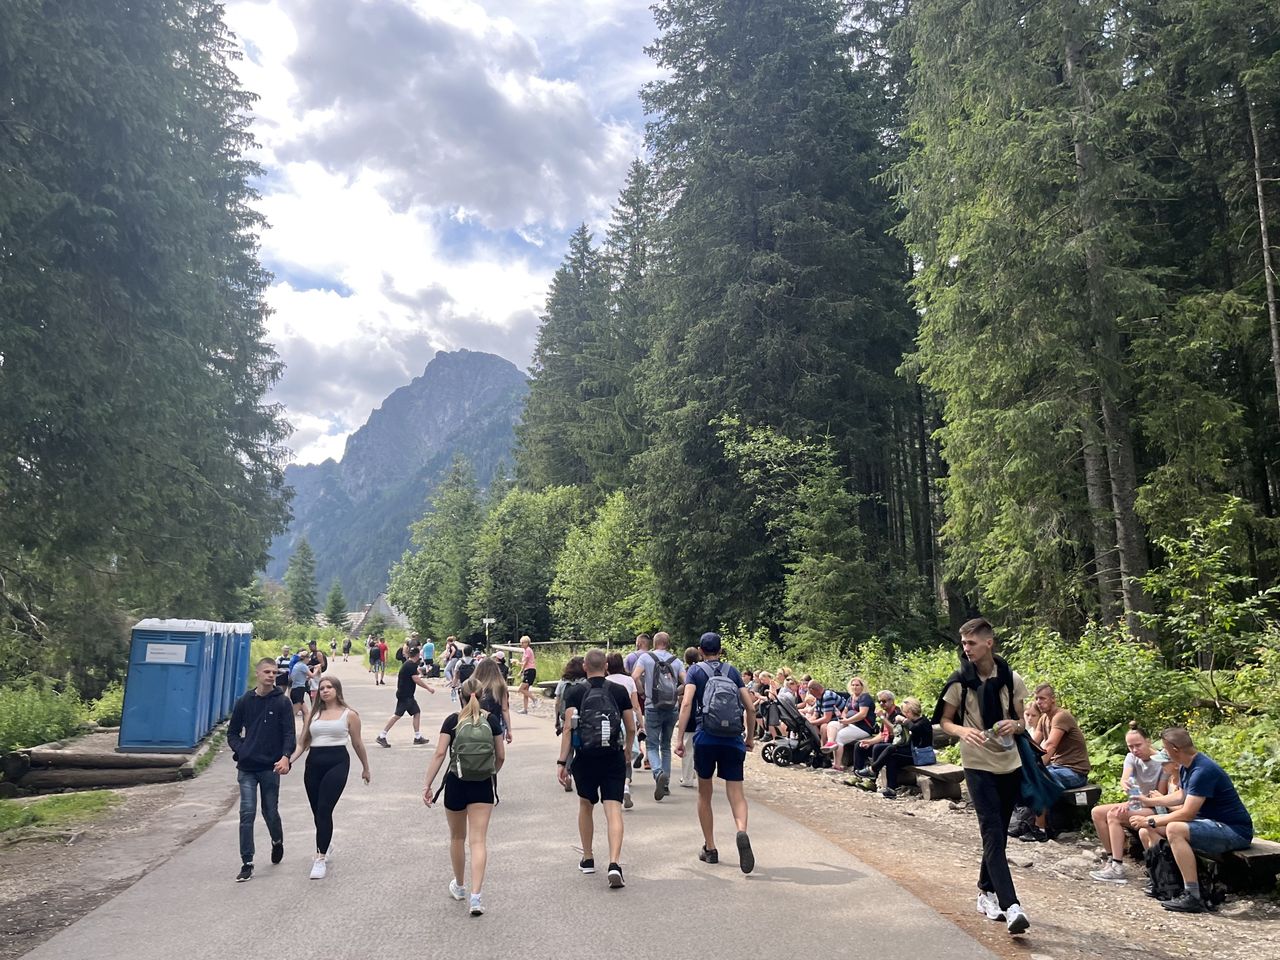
{"x":1097,"y":485}
{"x":1115,"y":419}
{"x":1268,"y":267}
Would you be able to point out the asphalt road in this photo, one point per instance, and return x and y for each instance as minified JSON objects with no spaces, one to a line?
{"x":385,"y":895}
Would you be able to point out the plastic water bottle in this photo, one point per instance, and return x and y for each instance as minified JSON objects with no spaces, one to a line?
{"x":1134,"y":793}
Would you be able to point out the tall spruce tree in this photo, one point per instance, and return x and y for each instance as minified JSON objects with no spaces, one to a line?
{"x":141,"y":464}
{"x":335,"y":607}
{"x":781,"y":289}
{"x":300,"y":582}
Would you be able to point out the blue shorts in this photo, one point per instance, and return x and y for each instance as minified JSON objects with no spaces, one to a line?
{"x":1066,"y":777}
{"x":1212,"y":837}
{"x":710,"y":758}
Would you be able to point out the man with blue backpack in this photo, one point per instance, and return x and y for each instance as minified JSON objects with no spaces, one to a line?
{"x":660,"y":675}
{"x":720,"y":711}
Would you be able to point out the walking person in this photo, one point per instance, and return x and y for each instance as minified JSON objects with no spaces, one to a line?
{"x":722,"y":714}
{"x":429,"y":657}
{"x":617,"y":673}
{"x":495,"y":696}
{"x":528,"y":672}
{"x":261,"y":737}
{"x":660,"y":675}
{"x":471,"y":739}
{"x":598,"y":729}
{"x":406,"y":702}
{"x":329,"y":731}
{"x":574,"y":673}
{"x":375,"y":659}
{"x":382,"y":660}
{"x":986,"y":695}
{"x":346,"y":648}
{"x":299,"y":676}
{"x":688,"y":775}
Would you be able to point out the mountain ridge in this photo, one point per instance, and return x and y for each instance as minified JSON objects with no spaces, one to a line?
{"x":355,"y":512}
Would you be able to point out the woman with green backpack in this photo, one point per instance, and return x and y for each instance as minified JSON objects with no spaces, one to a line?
{"x":471,"y":744}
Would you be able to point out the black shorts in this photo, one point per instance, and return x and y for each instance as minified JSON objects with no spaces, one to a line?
{"x":407,"y":705}
{"x":529,"y":676}
{"x":712,"y":757}
{"x":602,"y":777}
{"x":459,"y":793}
{"x":297,"y":694}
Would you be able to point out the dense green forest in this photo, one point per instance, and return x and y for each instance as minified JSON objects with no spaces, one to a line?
{"x":912,"y":311}
{"x":140,"y":464}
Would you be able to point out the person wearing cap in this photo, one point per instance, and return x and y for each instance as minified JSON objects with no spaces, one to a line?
{"x":1146,"y":773}
{"x":717,"y":754}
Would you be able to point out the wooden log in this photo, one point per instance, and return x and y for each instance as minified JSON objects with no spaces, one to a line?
{"x":55,"y":779}
{"x":59,"y":759}
{"x":931,"y":789}
{"x":15,"y":765}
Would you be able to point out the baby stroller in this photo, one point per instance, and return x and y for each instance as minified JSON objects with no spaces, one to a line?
{"x":801,"y":744}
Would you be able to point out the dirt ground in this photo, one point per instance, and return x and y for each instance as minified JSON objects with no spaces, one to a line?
{"x":48,"y":880}
{"x":932,"y":849}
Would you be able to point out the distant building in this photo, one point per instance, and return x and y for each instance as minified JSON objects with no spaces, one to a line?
{"x":380,"y":607}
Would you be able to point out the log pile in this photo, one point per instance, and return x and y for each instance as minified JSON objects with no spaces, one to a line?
{"x":56,"y":766}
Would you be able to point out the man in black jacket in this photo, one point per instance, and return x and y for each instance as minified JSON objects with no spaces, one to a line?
{"x":262,"y":740}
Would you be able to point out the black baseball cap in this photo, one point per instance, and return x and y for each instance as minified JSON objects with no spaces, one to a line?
{"x":709,"y":642}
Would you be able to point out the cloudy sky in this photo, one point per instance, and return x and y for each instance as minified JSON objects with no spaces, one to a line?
{"x":425,"y":163}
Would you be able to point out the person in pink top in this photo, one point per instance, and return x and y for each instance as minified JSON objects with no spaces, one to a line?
{"x":528,"y":672}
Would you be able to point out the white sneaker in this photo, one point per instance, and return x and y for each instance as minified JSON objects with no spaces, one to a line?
{"x":477,"y":908}
{"x":457,"y":890}
{"x":318,"y":869}
{"x":989,"y":905}
{"x":328,"y":854}
{"x":1111,"y":873}
{"x":1018,"y":922}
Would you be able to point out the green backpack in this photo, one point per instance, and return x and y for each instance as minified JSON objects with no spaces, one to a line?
{"x":471,"y":752}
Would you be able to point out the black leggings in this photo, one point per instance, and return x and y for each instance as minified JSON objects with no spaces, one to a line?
{"x":325,"y":779}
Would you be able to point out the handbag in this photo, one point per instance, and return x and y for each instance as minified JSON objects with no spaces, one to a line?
{"x":923,"y":756}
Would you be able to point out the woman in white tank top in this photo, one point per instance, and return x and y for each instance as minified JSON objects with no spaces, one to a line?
{"x":331,"y":728}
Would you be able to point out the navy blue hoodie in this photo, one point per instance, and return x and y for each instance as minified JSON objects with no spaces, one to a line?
{"x":261,"y":730}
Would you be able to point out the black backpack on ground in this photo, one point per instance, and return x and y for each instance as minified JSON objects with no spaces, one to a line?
{"x":599,"y":720}
{"x":1166,"y":878}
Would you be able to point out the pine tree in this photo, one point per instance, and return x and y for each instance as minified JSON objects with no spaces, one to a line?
{"x":335,"y":607}
{"x":300,"y":582}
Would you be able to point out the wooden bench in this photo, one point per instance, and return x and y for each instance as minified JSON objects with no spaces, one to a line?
{"x":1253,"y":868}
{"x":1072,"y":809}
{"x":937,"y":781}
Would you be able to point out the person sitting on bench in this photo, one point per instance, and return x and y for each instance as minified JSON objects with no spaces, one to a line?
{"x":910,"y":743}
{"x":1210,"y":817}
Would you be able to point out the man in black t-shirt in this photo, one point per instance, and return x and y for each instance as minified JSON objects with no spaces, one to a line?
{"x":406,"y":702}
{"x":600,"y":727}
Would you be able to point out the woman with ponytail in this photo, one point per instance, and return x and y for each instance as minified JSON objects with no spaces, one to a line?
{"x":472,"y":745}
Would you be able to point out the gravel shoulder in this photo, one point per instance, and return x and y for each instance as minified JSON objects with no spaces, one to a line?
{"x":932,"y":850}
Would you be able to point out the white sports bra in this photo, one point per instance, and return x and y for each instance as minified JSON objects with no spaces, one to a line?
{"x":330,"y":733}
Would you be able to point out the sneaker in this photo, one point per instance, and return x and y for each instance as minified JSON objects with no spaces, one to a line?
{"x":1017,"y":829}
{"x":1149,"y":889}
{"x":865,"y":772}
{"x":381,"y":741}
{"x":661,"y":786}
{"x":635,"y":764}
{"x":1034,"y":835}
{"x":1184,"y":903}
{"x":277,"y":852}
{"x":767,"y":738}
{"x":746,"y":859}
{"x":522,"y":710}
{"x":829,"y":745}
{"x":419,"y":741}
{"x":457,"y":890}
{"x":627,"y":802}
{"x":989,"y":906}
{"x":708,"y":856}
{"x":889,"y":794}
{"x":587,"y":865}
{"x":1018,"y":922}
{"x":477,"y":908}
{"x":1111,"y":873}
{"x":318,"y":869}
{"x":615,"y":877}
{"x":246,"y":873}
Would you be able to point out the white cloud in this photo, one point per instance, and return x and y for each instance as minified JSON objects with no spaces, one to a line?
{"x":425,"y":161}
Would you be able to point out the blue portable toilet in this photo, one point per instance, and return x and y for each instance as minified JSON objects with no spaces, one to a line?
{"x":217,"y":674}
{"x":241,"y":674}
{"x":169,"y":686}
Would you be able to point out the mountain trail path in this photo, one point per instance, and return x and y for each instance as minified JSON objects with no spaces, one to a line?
{"x":385,"y":893}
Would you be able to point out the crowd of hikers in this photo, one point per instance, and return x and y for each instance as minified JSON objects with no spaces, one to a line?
{"x":615,"y":715}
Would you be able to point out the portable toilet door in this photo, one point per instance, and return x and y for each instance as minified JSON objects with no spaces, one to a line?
{"x":165,"y":698}
{"x":244,"y":642}
{"x":217,"y":673}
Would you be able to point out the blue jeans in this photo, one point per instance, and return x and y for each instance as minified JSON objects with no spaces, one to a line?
{"x":659,"y":725}
{"x":1066,"y":777}
{"x":1213,"y":838}
{"x":251,"y":781}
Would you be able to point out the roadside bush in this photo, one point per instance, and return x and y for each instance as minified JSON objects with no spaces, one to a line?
{"x":109,"y":708}
{"x":33,"y":715}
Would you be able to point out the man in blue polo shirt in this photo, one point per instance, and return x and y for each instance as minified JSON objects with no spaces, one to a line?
{"x":707,"y":703}
{"x":1211,"y":818}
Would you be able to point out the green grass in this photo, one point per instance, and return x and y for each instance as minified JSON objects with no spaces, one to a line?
{"x":57,"y":811}
{"x":207,"y":757}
